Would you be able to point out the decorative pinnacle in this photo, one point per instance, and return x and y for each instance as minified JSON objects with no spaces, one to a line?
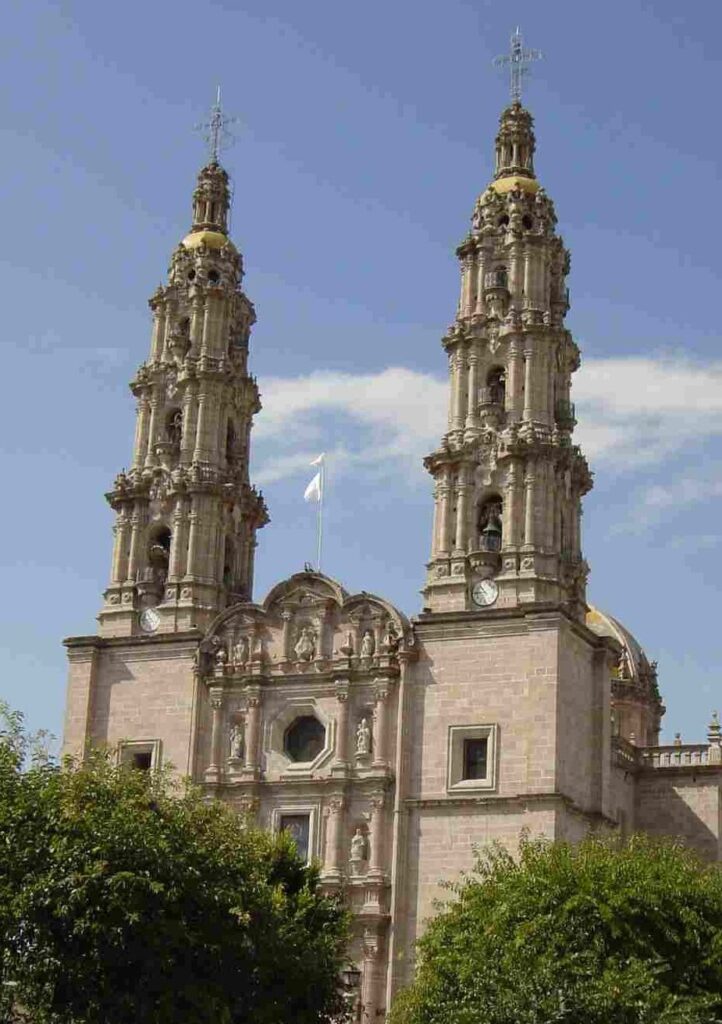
{"x":518,"y":60}
{"x":216,"y":129}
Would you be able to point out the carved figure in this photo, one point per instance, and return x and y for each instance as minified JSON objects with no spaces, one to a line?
{"x":368,"y":645}
{"x":358,"y":852}
{"x":305,"y":648}
{"x":391,"y":640}
{"x":237,"y":741}
{"x":240,"y":652}
{"x":363,"y":737}
{"x":221,"y":657}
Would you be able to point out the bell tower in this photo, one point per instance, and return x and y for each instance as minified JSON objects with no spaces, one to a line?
{"x":508,"y":479}
{"x":186,"y":514}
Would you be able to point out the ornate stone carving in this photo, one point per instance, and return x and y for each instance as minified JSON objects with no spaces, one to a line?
{"x":237,"y":741}
{"x":363,"y":738}
{"x":359,"y":853}
{"x":305,"y":647}
{"x":368,"y":645}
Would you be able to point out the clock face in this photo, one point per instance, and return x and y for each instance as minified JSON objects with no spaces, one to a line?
{"x":485,"y":592}
{"x":149,"y":620}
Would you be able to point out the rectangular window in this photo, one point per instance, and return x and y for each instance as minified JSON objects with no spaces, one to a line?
{"x":299,"y":827}
{"x":475,"y":758}
{"x":472,"y":758}
{"x":143,"y":755}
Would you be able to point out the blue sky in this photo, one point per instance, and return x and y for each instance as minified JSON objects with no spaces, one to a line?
{"x":365,"y":134}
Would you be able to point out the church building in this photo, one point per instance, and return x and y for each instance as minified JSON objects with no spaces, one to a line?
{"x":388,"y":746}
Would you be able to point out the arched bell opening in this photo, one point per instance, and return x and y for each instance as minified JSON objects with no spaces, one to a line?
{"x":490,"y":525}
{"x":496,"y":386}
{"x":159,"y":544}
{"x":174,"y":428}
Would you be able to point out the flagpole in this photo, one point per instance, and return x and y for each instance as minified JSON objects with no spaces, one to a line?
{"x":320,"y":512}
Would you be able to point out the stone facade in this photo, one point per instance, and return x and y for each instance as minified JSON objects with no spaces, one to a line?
{"x":389,"y":747}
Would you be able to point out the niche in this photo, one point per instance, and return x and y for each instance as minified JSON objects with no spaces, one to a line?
{"x":159,"y":554}
{"x":490,"y":524}
{"x":496,"y":385}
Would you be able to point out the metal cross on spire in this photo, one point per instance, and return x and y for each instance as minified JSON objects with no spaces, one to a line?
{"x":216,"y":129}
{"x":518,"y":60}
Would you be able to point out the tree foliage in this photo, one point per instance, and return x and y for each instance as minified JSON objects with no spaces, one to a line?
{"x":125,"y":899}
{"x":599,"y":933}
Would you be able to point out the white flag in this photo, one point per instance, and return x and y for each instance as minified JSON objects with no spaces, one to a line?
{"x":318,"y":460}
{"x":313,"y":491}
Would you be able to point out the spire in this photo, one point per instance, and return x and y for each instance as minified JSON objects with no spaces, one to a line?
{"x":515,"y":143}
{"x":518,"y":59}
{"x":212,"y":196}
{"x":211,"y":200}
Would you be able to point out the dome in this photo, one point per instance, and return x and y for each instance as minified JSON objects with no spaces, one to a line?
{"x":605,"y":625}
{"x":510,"y":182}
{"x":211,"y":239}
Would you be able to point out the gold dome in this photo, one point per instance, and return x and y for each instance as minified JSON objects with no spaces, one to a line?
{"x":513,"y":181}
{"x":211,"y":239}
{"x":605,"y":625}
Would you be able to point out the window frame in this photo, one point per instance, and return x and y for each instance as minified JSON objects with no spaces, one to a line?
{"x":295,"y":810}
{"x":127,"y":748}
{"x":455,"y":781}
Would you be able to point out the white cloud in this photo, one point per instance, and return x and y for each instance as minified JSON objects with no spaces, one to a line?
{"x":632,"y":412}
{"x":639,"y":410}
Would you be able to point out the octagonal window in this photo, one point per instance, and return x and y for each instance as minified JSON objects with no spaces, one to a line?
{"x":305,"y":738}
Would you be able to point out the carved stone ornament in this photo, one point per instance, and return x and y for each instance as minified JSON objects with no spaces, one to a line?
{"x":358,"y":853}
{"x":236,"y":739}
{"x":305,"y":648}
{"x":368,"y":645}
{"x":240,"y":651}
{"x":363,"y":737}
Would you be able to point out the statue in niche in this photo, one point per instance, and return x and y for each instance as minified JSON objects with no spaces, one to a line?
{"x":347,"y":647}
{"x":359,"y":849}
{"x":240,"y":651}
{"x":391,"y":640}
{"x":625,"y":666}
{"x":237,"y":741}
{"x":175,"y":429}
{"x":221,"y":658}
{"x":368,"y":645}
{"x":305,"y":649}
{"x":363,"y":737}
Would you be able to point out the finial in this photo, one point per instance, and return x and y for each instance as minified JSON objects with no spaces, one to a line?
{"x":215,"y":129}
{"x":518,"y":60}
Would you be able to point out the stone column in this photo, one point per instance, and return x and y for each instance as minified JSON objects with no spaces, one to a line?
{"x":380,"y":745}
{"x":136,"y":536}
{"x":196,"y":327}
{"x":253,"y":727}
{"x":550,"y":507}
{"x":286,"y":618}
{"x":152,"y":430}
{"x":462,"y":512}
{"x":334,"y":831}
{"x":342,"y":694}
{"x":527,"y":277}
{"x":201,"y":427}
{"x":437,"y":519}
{"x":141,"y":432}
{"x":458,"y":381}
{"x":215,"y":694}
{"x":120,"y":548}
{"x":376,"y":829}
{"x":510,"y":531}
{"x":444,"y":512}
{"x":193,"y":538}
{"x":529,"y":373}
{"x":370,"y":987}
{"x":514,"y":380}
{"x":514,"y":275}
{"x":473,"y":392}
{"x":480,"y":271}
{"x":189,"y":425}
{"x":529,"y":509}
{"x":175,"y":567}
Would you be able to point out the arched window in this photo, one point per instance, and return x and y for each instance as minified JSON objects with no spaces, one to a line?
{"x":159,"y":554}
{"x":174,"y":428}
{"x":230,"y":440}
{"x":490,"y":524}
{"x":496,"y":385}
{"x":501,"y":278}
{"x":305,"y":738}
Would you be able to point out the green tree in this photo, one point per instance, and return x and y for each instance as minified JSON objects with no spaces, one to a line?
{"x":129,"y":900}
{"x":600,"y":933}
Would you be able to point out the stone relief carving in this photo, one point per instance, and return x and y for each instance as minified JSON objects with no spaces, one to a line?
{"x":240,"y":651}
{"x":305,"y":648}
{"x":358,"y":853}
{"x":363,"y":738}
{"x":236,"y":739}
{"x":368,"y":645}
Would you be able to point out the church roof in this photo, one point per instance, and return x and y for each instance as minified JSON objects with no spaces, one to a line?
{"x":606,"y":625}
